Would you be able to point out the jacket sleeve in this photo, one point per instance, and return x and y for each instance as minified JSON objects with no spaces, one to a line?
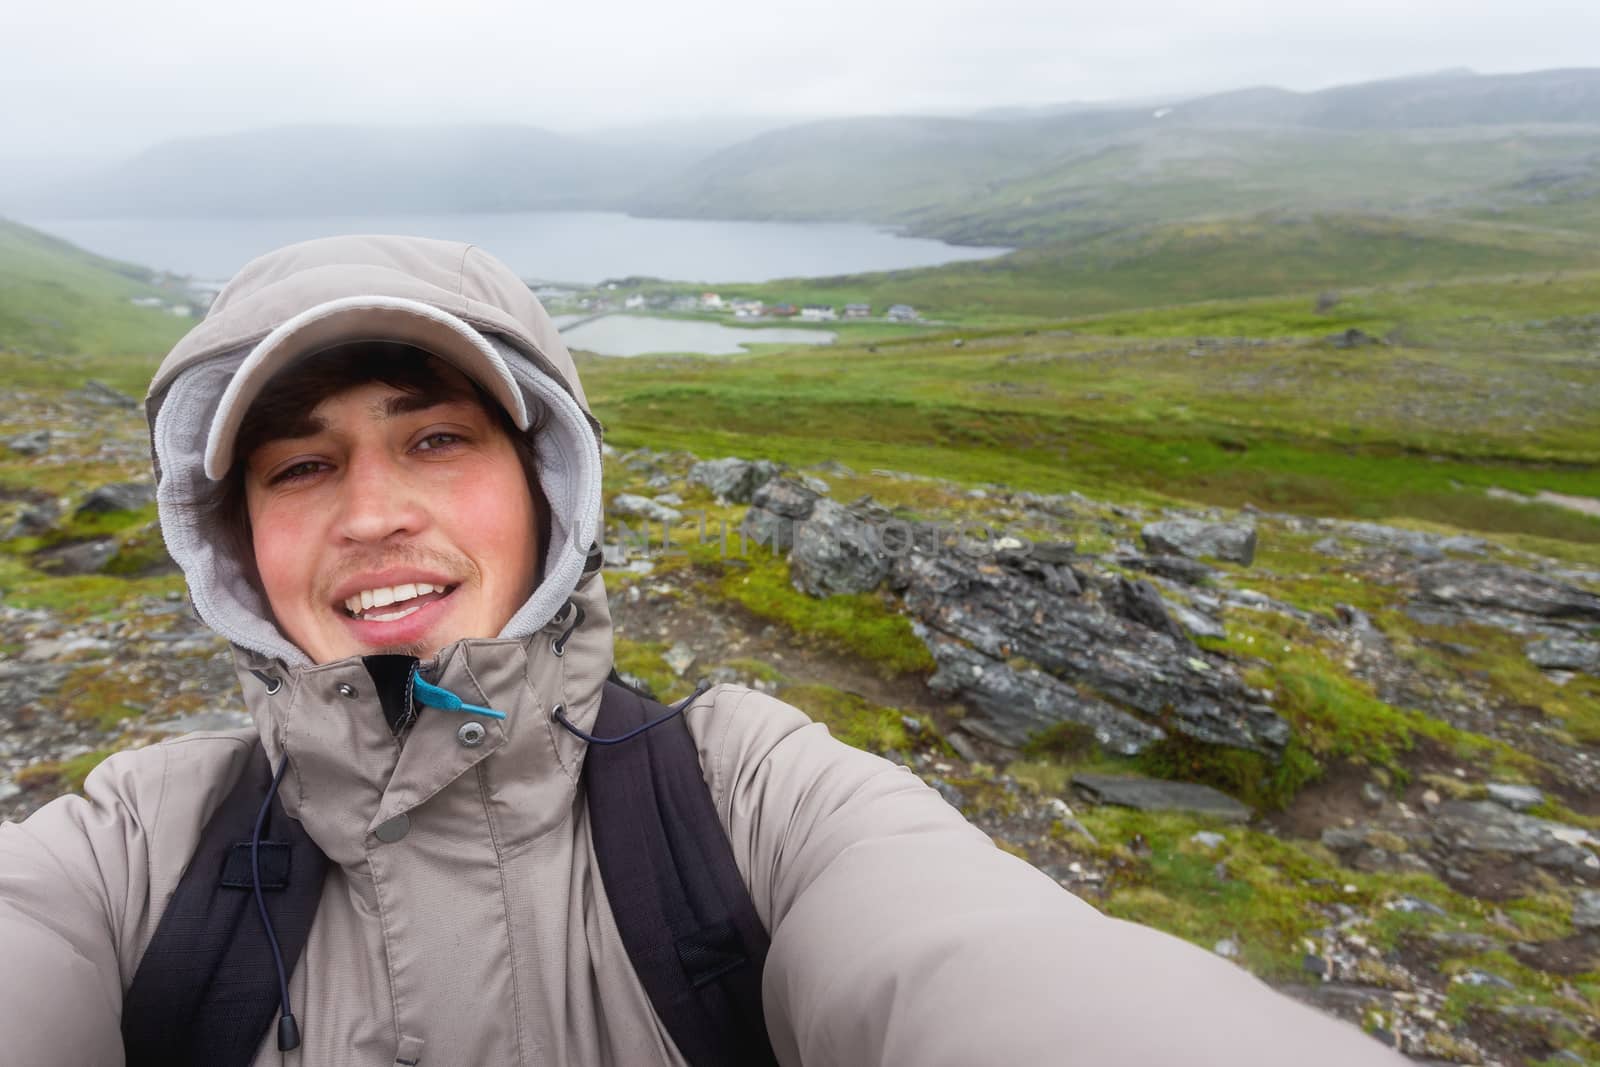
{"x":902,"y":936}
{"x":74,"y":890}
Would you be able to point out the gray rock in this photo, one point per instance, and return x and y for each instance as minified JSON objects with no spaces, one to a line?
{"x":1085,"y":664}
{"x":215,"y":719}
{"x":1344,"y":838}
{"x":1360,"y":626}
{"x":1329,"y":546}
{"x":1208,"y":839}
{"x":34,"y":521}
{"x":1197,"y":623}
{"x":1424,"y":546}
{"x":1372,"y":795}
{"x":1498,"y":587}
{"x":9,"y":790}
{"x":1249,"y":598}
{"x":733,"y":480}
{"x":671,"y":500}
{"x":1515,"y":797}
{"x":119,"y":496}
{"x":100,"y":393}
{"x":1485,"y":827}
{"x":79,"y":557}
{"x":1414,"y":905}
{"x":640,"y":507}
{"x":1483,"y":978}
{"x":1565,"y":654}
{"x":1191,"y":537}
{"x":1013,"y":704}
{"x":1586,"y":910}
{"x":1154,"y":794}
{"x":787,"y":497}
{"x":1351,"y":338}
{"x":768,"y":528}
{"x":836,"y":551}
{"x":32,"y":443}
{"x":1138,"y":601}
{"x":1178,"y":568}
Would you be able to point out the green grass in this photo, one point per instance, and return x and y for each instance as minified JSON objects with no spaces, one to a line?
{"x":850,"y":717}
{"x":65,"y":315}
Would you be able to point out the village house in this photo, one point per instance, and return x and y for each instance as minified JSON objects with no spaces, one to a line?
{"x":903,"y":313}
{"x":858,"y":311}
{"x":634,"y":302}
{"x":710,"y":300}
{"x":816,"y":313}
{"x":783,"y":311}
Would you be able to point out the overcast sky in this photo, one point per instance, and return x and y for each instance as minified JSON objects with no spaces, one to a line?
{"x":109,"y":76}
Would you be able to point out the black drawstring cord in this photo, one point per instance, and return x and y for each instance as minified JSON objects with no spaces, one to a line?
{"x":288,"y":1030}
{"x":560,"y":715}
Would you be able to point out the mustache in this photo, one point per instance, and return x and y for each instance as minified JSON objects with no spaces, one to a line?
{"x":402,"y":555}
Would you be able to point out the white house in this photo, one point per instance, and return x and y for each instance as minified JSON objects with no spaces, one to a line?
{"x":634,"y":302}
{"x":903,"y":313}
{"x":813,"y":313}
{"x":710,"y":300}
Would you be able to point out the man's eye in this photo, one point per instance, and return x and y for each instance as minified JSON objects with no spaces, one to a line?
{"x":435,"y":441}
{"x":296,"y":471}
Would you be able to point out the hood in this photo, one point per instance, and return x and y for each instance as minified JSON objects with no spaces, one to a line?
{"x":457,"y":279}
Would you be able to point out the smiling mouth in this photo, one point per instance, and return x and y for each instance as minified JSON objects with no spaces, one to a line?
{"x":395,"y":602}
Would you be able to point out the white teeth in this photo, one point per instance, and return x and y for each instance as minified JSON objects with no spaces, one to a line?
{"x":393,"y":615}
{"x":368,"y":599}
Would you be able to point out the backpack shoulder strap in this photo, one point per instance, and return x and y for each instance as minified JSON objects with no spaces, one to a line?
{"x":206,"y":989}
{"x":682,"y":908}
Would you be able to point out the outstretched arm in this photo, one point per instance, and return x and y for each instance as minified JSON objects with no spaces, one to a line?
{"x":902,"y":936}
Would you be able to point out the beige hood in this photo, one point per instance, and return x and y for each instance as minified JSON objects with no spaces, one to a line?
{"x":457,"y":279}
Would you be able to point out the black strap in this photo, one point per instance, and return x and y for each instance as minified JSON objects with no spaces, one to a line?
{"x":206,"y":990}
{"x":682,"y":908}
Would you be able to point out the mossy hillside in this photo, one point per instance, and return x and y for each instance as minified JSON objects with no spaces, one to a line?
{"x":1378,"y":432}
{"x":1198,"y":260}
{"x":65,"y":313}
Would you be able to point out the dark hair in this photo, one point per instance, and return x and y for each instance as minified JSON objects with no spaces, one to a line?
{"x":283,"y":409}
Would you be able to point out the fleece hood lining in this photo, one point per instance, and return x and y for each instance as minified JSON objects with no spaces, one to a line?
{"x":567,"y":460}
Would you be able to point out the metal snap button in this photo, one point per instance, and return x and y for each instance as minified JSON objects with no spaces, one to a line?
{"x":392,"y":830}
{"x":346,"y":690}
{"x":471,"y":734}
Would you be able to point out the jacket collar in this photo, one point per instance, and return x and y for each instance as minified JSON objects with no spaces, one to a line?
{"x":348,"y":773}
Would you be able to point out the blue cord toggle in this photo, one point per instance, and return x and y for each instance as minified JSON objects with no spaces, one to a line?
{"x":444,"y":700}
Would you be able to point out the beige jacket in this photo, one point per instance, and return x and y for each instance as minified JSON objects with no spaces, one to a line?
{"x":900,"y":934}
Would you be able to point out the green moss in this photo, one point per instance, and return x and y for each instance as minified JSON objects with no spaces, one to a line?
{"x":1250,"y":776}
{"x":849,"y":717}
{"x":644,"y":660}
{"x":98,"y":693}
{"x":863,"y":625}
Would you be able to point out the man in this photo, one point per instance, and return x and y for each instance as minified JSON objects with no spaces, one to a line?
{"x":377,"y":448}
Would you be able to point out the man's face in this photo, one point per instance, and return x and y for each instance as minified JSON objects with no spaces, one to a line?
{"x":390,"y":494}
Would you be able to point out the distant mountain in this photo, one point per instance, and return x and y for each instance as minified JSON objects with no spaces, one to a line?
{"x":1445,"y":99}
{"x":351,"y":170}
{"x":1438,"y":142}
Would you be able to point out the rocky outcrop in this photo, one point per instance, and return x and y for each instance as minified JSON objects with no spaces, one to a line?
{"x":837,"y":551}
{"x":733,"y":480}
{"x":775,"y":509}
{"x":1235,"y":542}
{"x":1565,"y":654}
{"x":1567,"y":618}
{"x":1488,"y":828}
{"x":119,"y":496}
{"x":1153,"y":794}
{"x":1074,"y":656}
{"x":642,"y":507}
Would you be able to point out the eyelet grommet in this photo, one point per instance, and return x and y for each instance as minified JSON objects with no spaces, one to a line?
{"x":274,"y":684}
{"x":556,"y":712}
{"x":471,"y":734}
{"x":346,"y":690}
{"x":558,"y":647}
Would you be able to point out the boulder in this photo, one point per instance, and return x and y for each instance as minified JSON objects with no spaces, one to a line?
{"x":34,"y":521}
{"x":1466,"y":586}
{"x":1565,"y":654}
{"x":1515,"y":797}
{"x":1154,"y":794}
{"x":837,"y":551}
{"x":733,"y":480}
{"x":1586,"y":910}
{"x":1012,"y":704}
{"x":32,"y":443}
{"x":640,"y":507}
{"x":787,"y":497}
{"x":982,"y":615}
{"x":1191,"y":537}
{"x":79,"y":557}
{"x":1138,"y":601}
{"x":119,"y":496}
{"x":1485,"y":827}
{"x":1177,"y":568}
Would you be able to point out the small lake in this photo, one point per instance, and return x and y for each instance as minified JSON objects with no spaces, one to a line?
{"x":641,"y":335}
{"x":580,"y":247}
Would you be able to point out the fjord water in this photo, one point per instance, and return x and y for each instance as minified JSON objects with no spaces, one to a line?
{"x":579,"y":247}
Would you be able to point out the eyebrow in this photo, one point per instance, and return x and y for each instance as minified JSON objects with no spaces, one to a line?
{"x":309,"y":425}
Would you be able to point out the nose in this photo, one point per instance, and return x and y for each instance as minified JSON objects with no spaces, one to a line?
{"x":377,"y":502}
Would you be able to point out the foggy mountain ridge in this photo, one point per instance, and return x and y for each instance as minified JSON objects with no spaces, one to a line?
{"x":999,"y":176}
